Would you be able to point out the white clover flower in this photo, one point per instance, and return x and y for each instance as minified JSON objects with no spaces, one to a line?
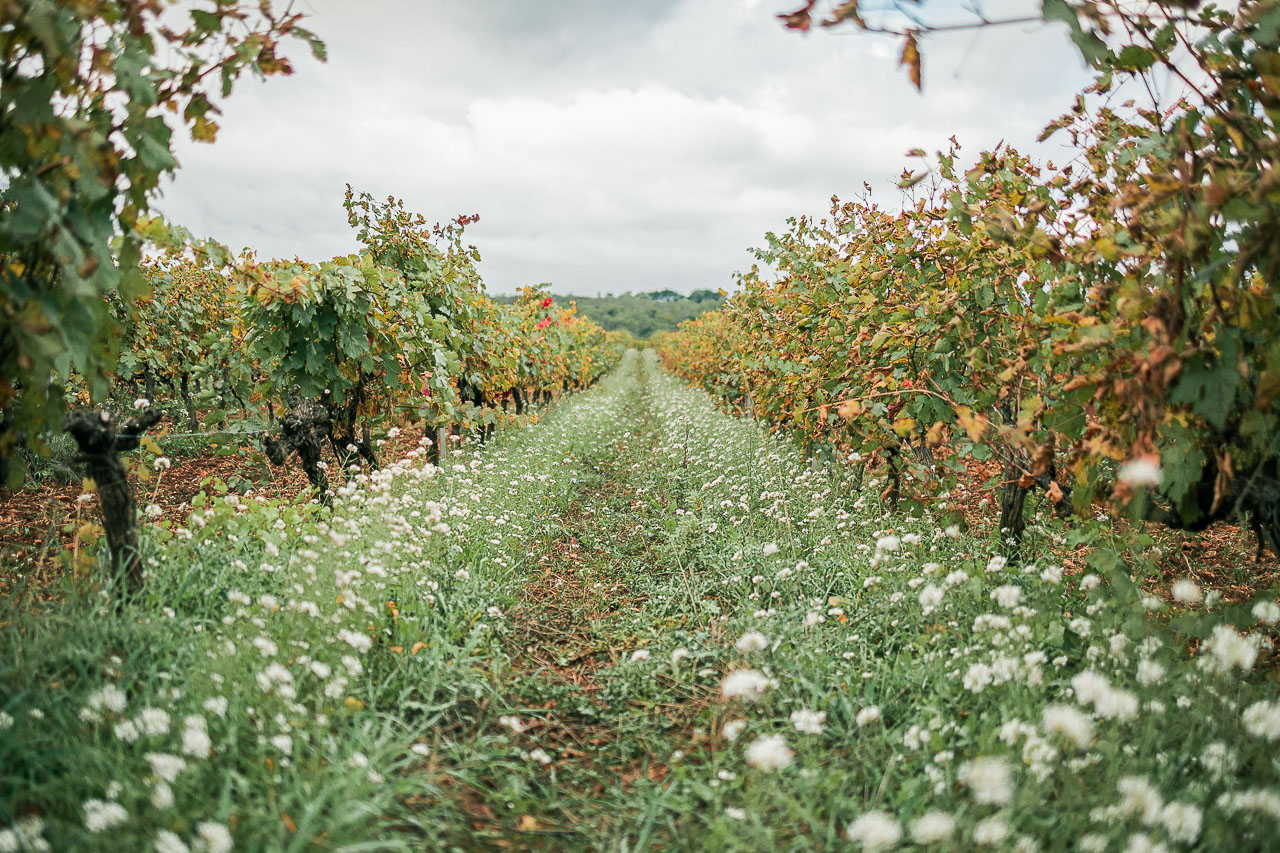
{"x":108,"y":698}
{"x":1139,"y":797}
{"x":930,"y":598}
{"x":732,"y":729}
{"x":153,"y":722}
{"x":1070,"y":722}
{"x":141,"y":403}
{"x":1267,"y":611}
{"x":990,"y":779}
{"x":809,"y":722}
{"x":539,"y":755}
{"x":746,"y":684}
{"x":511,"y":722}
{"x":1007,"y":596}
{"x":640,"y":655}
{"x":1225,"y":649}
{"x":196,"y":743}
{"x":216,"y":705}
{"x":679,"y":654}
{"x":165,"y":766}
{"x":283,"y":743}
{"x":212,"y":838}
{"x":1142,"y":471}
{"x":1093,"y":688}
{"x":356,"y":640}
{"x":162,"y":796}
{"x":752,"y":641}
{"x":769,"y":753}
{"x":735,"y":813}
{"x":154,"y":511}
{"x":868,"y":715}
{"x":170,"y":842}
{"x":991,"y":831}
{"x":25,"y":835}
{"x":1262,"y":719}
{"x":1182,"y":822}
{"x":888,"y":543}
{"x":1150,"y":672}
{"x":101,"y":815}
{"x":769,"y":549}
{"x":875,"y":831}
{"x":932,"y":827}
{"x":1186,"y":590}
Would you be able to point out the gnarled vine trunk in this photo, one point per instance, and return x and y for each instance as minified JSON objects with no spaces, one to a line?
{"x":303,"y":428}
{"x":101,"y":444}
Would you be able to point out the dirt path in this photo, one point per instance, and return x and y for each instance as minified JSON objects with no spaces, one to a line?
{"x":573,"y":702}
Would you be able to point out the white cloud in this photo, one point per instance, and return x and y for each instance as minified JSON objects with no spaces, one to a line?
{"x":605,"y":147}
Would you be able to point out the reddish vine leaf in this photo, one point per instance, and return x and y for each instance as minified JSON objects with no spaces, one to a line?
{"x":911,"y":58}
{"x":847,"y":11}
{"x":800,"y":19}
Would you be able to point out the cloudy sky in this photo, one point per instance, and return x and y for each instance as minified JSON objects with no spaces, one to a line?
{"x":606,"y":146}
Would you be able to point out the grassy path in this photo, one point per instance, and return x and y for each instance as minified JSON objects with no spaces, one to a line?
{"x":637,"y":625}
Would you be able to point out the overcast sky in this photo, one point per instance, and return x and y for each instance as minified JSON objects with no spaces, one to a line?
{"x":607,"y":146}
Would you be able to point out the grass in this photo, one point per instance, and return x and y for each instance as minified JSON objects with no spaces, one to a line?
{"x":528,"y":649}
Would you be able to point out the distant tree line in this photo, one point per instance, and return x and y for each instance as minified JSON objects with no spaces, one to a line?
{"x":643,"y":314}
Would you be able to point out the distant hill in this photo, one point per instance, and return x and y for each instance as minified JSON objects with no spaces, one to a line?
{"x":642,"y":314}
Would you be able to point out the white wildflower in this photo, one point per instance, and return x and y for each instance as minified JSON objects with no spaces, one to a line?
{"x":990,"y":779}
{"x":165,"y":766}
{"x":1070,"y":722}
{"x":1262,"y":719}
{"x":809,"y":722}
{"x":746,"y":684}
{"x":1267,"y":611}
{"x":769,"y":753}
{"x":101,"y":815}
{"x":875,"y":831}
{"x":932,"y":827}
{"x":170,"y":842}
{"x":1007,"y":596}
{"x":153,"y":722}
{"x":991,"y":831}
{"x":867,"y":715}
{"x":1226,"y":649}
{"x":1186,"y":591}
{"x":212,"y":838}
